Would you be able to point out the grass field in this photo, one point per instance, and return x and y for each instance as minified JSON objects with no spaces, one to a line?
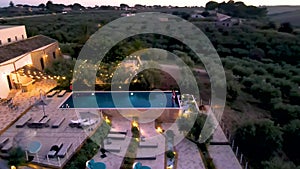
{"x":292,"y":16}
{"x":281,"y":9}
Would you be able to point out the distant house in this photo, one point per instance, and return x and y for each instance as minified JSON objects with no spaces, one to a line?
{"x":10,"y":34}
{"x":197,"y":15}
{"x":38,"y":52}
{"x":67,"y":9}
{"x":127,"y":14}
{"x":223,"y":20}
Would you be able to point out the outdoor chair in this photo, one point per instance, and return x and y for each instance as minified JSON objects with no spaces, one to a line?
{"x":61,"y":93}
{"x":54,"y":150}
{"x":22,"y":122}
{"x":52,"y":93}
{"x":58,"y":122}
{"x":3,"y":142}
{"x":7,"y":147}
{"x":63,"y":151}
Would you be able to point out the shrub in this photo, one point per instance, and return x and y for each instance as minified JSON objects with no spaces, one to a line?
{"x":170,"y":154}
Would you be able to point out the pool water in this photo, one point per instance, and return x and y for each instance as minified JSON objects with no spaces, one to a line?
{"x":121,"y":99}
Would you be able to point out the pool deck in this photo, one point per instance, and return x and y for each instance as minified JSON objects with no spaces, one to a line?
{"x":48,"y":136}
{"x":188,"y":153}
{"x":23,"y":101}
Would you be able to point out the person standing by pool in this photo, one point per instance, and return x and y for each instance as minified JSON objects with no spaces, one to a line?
{"x":173,"y":98}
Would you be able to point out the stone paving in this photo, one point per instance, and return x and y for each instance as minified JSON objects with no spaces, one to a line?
{"x":151,"y":136}
{"x":188,"y":155}
{"x":223,"y":157}
{"x":49,"y":136}
{"x":114,"y":159}
{"x":219,"y":135}
{"x":23,"y":101}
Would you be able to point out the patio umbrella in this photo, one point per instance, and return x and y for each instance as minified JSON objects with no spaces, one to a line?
{"x":34,"y":147}
{"x":137,"y":165}
{"x":41,"y":102}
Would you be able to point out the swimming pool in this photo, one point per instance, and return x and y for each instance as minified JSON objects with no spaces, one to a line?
{"x":121,"y":99}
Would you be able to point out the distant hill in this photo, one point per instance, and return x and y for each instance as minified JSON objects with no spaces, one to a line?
{"x":293,"y":17}
{"x":281,"y":9}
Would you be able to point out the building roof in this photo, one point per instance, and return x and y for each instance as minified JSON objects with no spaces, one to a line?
{"x":22,"y":47}
{"x":222,"y":17}
{"x":9,"y":26}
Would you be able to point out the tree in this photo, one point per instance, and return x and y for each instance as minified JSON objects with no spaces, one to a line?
{"x":42,"y":6}
{"x":284,"y":113}
{"x":259,"y":140}
{"x":257,"y":54}
{"x":124,"y":6}
{"x":286,"y":27}
{"x":49,"y":5}
{"x":62,"y":68}
{"x":211,"y":5}
{"x":170,"y":154}
{"x":278,"y":163}
{"x":11,"y":4}
{"x":205,"y":13}
{"x":16,"y":156}
{"x":291,"y":142}
{"x":77,"y":6}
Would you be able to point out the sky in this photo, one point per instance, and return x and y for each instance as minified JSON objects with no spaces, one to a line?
{"x":92,"y":3}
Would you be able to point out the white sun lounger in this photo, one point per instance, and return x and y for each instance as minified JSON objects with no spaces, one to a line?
{"x":113,"y":148}
{"x":45,"y":120}
{"x":21,"y":123}
{"x":58,"y":122}
{"x":3,"y":142}
{"x":51,"y":94}
{"x":79,"y":121}
{"x":52,"y":153}
{"x":89,"y":122}
{"x":7,"y":147}
{"x":116,"y":136}
{"x":115,"y":131}
{"x":63,"y":151}
{"x":148,"y":145}
{"x":61,"y":93}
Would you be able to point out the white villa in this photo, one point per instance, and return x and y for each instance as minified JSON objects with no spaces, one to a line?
{"x":10,"y":34}
{"x":18,"y":51}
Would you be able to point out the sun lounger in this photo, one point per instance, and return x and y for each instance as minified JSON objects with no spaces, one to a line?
{"x":3,"y":142}
{"x":89,"y":122}
{"x":116,"y":136}
{"x":113,"y":148}
{"x":22,"y":122}
{"x":79,"y":121}
{"x":51,"y":153}
{"x":39,"y":119}
{"x":114,"y":131}
{"x":61,"y":93}
{"x":45,"y":120}
{"x":7,"y":147}
{"x":51,"y":94}
{"x":54,"y":150}
{"x":58,"y":122}
{"x":146,"y":144}
{"x":63,"y":151}
{"x":145,"y":158}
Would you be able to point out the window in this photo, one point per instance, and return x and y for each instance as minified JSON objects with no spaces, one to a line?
{"x":16,"y":38}
{"x":54,"y":55}
{"x":22,"y":36}
{"x":8,"y":40}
